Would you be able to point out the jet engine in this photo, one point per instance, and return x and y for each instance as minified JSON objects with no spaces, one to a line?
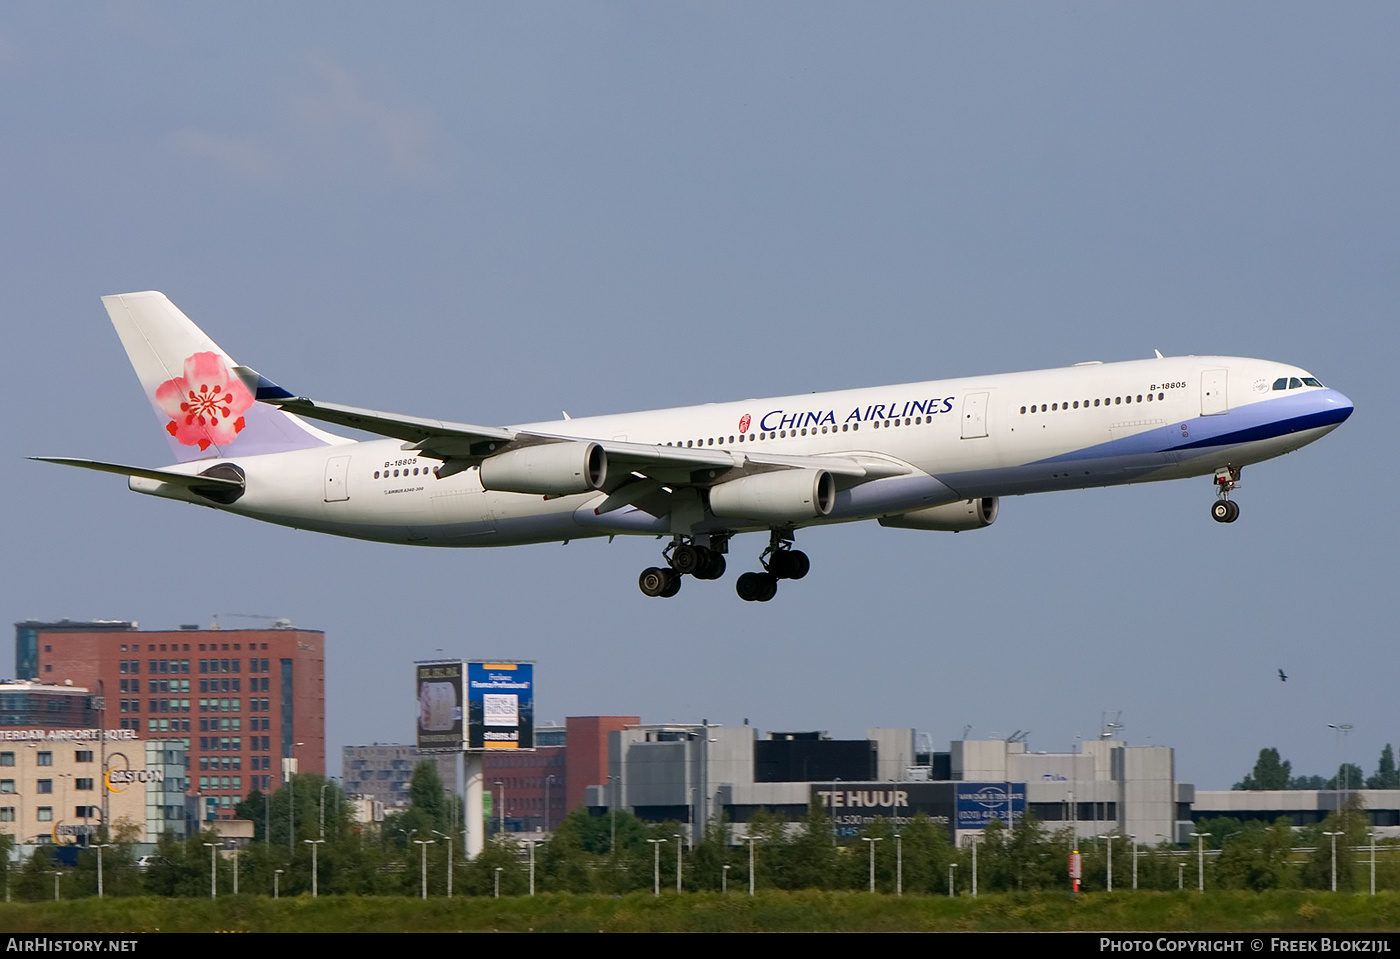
{"x":551,"y":469}
{"x":950,"y":517}
{"x":783,"y":496}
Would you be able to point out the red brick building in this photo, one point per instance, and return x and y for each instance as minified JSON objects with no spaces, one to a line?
{"x":241,"y":700}
{"x":588,"y":752}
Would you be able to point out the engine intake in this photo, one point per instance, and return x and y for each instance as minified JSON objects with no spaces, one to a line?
{"x":551,"y":469}
{"x":782,"y":496}
{"x":949,"y":518}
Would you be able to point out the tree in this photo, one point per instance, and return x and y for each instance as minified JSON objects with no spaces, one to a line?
{"x":1348,"y":776}
{"x":1351,"y":823}
{"x":1269,"y":772}
{"x":811,"y":856}
{"x":711,"y":854}
{"x":1386,"y":777}
{"x":1256,"y":857}
{"x":254,"y":809}
{"x":927,"y":853}
{"x":564,"y":865}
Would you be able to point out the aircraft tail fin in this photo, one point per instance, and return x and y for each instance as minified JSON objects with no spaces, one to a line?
{"x":204,"y":408}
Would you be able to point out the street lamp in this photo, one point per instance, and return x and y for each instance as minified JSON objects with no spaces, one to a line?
{"x":107,"y":845}
{"x":656,"y":866}
{"x":548,"y":781}
{"x":449,"y":860}
{"x":898,"y":864}
{"x":1334,"y":836}
{"x":1133,"y":840}
{"x":423,"y":844}
{"x":1342,"y":730}
{"x":213,"y":872}
{"x":1200,"y":860}
{"x":533,"y":843}
{"x":680,"y":848}
{"x":1110,"y":839}
{"x":974,"y":867}
{"x":313,"y":843}
{"x":1373,"y":860}
{"x":951,"y":867}
{"x":872,"y":840}
{"x":724,"y":878}
{"x":751,"y":840}
{"x":613,"y":783}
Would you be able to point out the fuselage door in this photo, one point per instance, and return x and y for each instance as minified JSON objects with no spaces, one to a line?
{"x":336,"y":469}
{"x":1214,"y":400}
{"x":974,"y":416}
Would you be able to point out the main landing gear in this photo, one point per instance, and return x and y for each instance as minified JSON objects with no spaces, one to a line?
{"x":779,"y":561}
{"x":1225,"y":510}
{"x":684,"y":558}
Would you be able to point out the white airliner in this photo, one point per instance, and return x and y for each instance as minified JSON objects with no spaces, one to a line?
{"x":928,"y":456}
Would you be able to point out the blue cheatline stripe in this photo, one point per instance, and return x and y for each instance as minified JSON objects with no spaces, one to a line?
{"x":1255,"y":421}
{"x":1268,"y":431}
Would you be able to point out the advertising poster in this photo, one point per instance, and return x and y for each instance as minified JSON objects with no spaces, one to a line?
{"x":439,"y":706}
{"x":980,"y":803}
{"x":500,"y":705}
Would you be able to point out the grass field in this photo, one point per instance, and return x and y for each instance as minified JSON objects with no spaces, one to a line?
{"x":711,"y":912}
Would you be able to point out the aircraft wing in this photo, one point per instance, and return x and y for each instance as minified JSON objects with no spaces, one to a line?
{"x":434,"y":438}
{"x":461,"y":445}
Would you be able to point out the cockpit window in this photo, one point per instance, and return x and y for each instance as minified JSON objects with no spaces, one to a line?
{"x":1294,"y":383}
{"x":1310,"y":381}
{"x":1281,"y":383}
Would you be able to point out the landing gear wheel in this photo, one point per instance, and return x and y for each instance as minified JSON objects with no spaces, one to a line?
{"x":1225,"y":511}
{"x":655,"y":581}
{"x":756,"y":587}
{"x":713,"y":567}
{"x":797,"y":564}
{"x":687,"y":559}
{"x":789,"y":564}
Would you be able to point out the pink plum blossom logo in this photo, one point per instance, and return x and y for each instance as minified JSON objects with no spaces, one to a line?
{"x":204,"y":405}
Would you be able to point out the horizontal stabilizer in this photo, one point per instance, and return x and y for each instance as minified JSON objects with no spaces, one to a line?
{"x":189,"y":481}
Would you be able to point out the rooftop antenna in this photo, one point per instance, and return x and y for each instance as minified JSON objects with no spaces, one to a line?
{"x":1108,"y":728}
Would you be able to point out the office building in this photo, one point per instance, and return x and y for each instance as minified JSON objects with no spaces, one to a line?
{"x":248,"y":705}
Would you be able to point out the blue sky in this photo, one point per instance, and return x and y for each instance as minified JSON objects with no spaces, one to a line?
{"x":492,"y":212}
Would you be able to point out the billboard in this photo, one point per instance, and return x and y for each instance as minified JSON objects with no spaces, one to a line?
{"x":440,"y":724}
{"x":854,"y":806}
{"x":500,"y":705}
{"x":980,"y":803}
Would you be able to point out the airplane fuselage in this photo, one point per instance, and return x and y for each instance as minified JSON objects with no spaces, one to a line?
{"x":944,"y":441}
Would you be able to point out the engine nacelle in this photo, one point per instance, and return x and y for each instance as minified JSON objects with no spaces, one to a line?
{"x":782,"y":496}
{"x":949,"y":518}
{"x":551,"y":469}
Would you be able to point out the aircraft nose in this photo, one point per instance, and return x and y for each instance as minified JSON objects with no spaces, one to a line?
{"x":1334,"y":405}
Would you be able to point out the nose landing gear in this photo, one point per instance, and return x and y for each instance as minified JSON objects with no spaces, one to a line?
{"x":1225,"y":510}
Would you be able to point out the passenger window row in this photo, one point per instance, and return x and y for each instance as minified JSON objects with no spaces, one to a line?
{"x":1086,"y":404}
